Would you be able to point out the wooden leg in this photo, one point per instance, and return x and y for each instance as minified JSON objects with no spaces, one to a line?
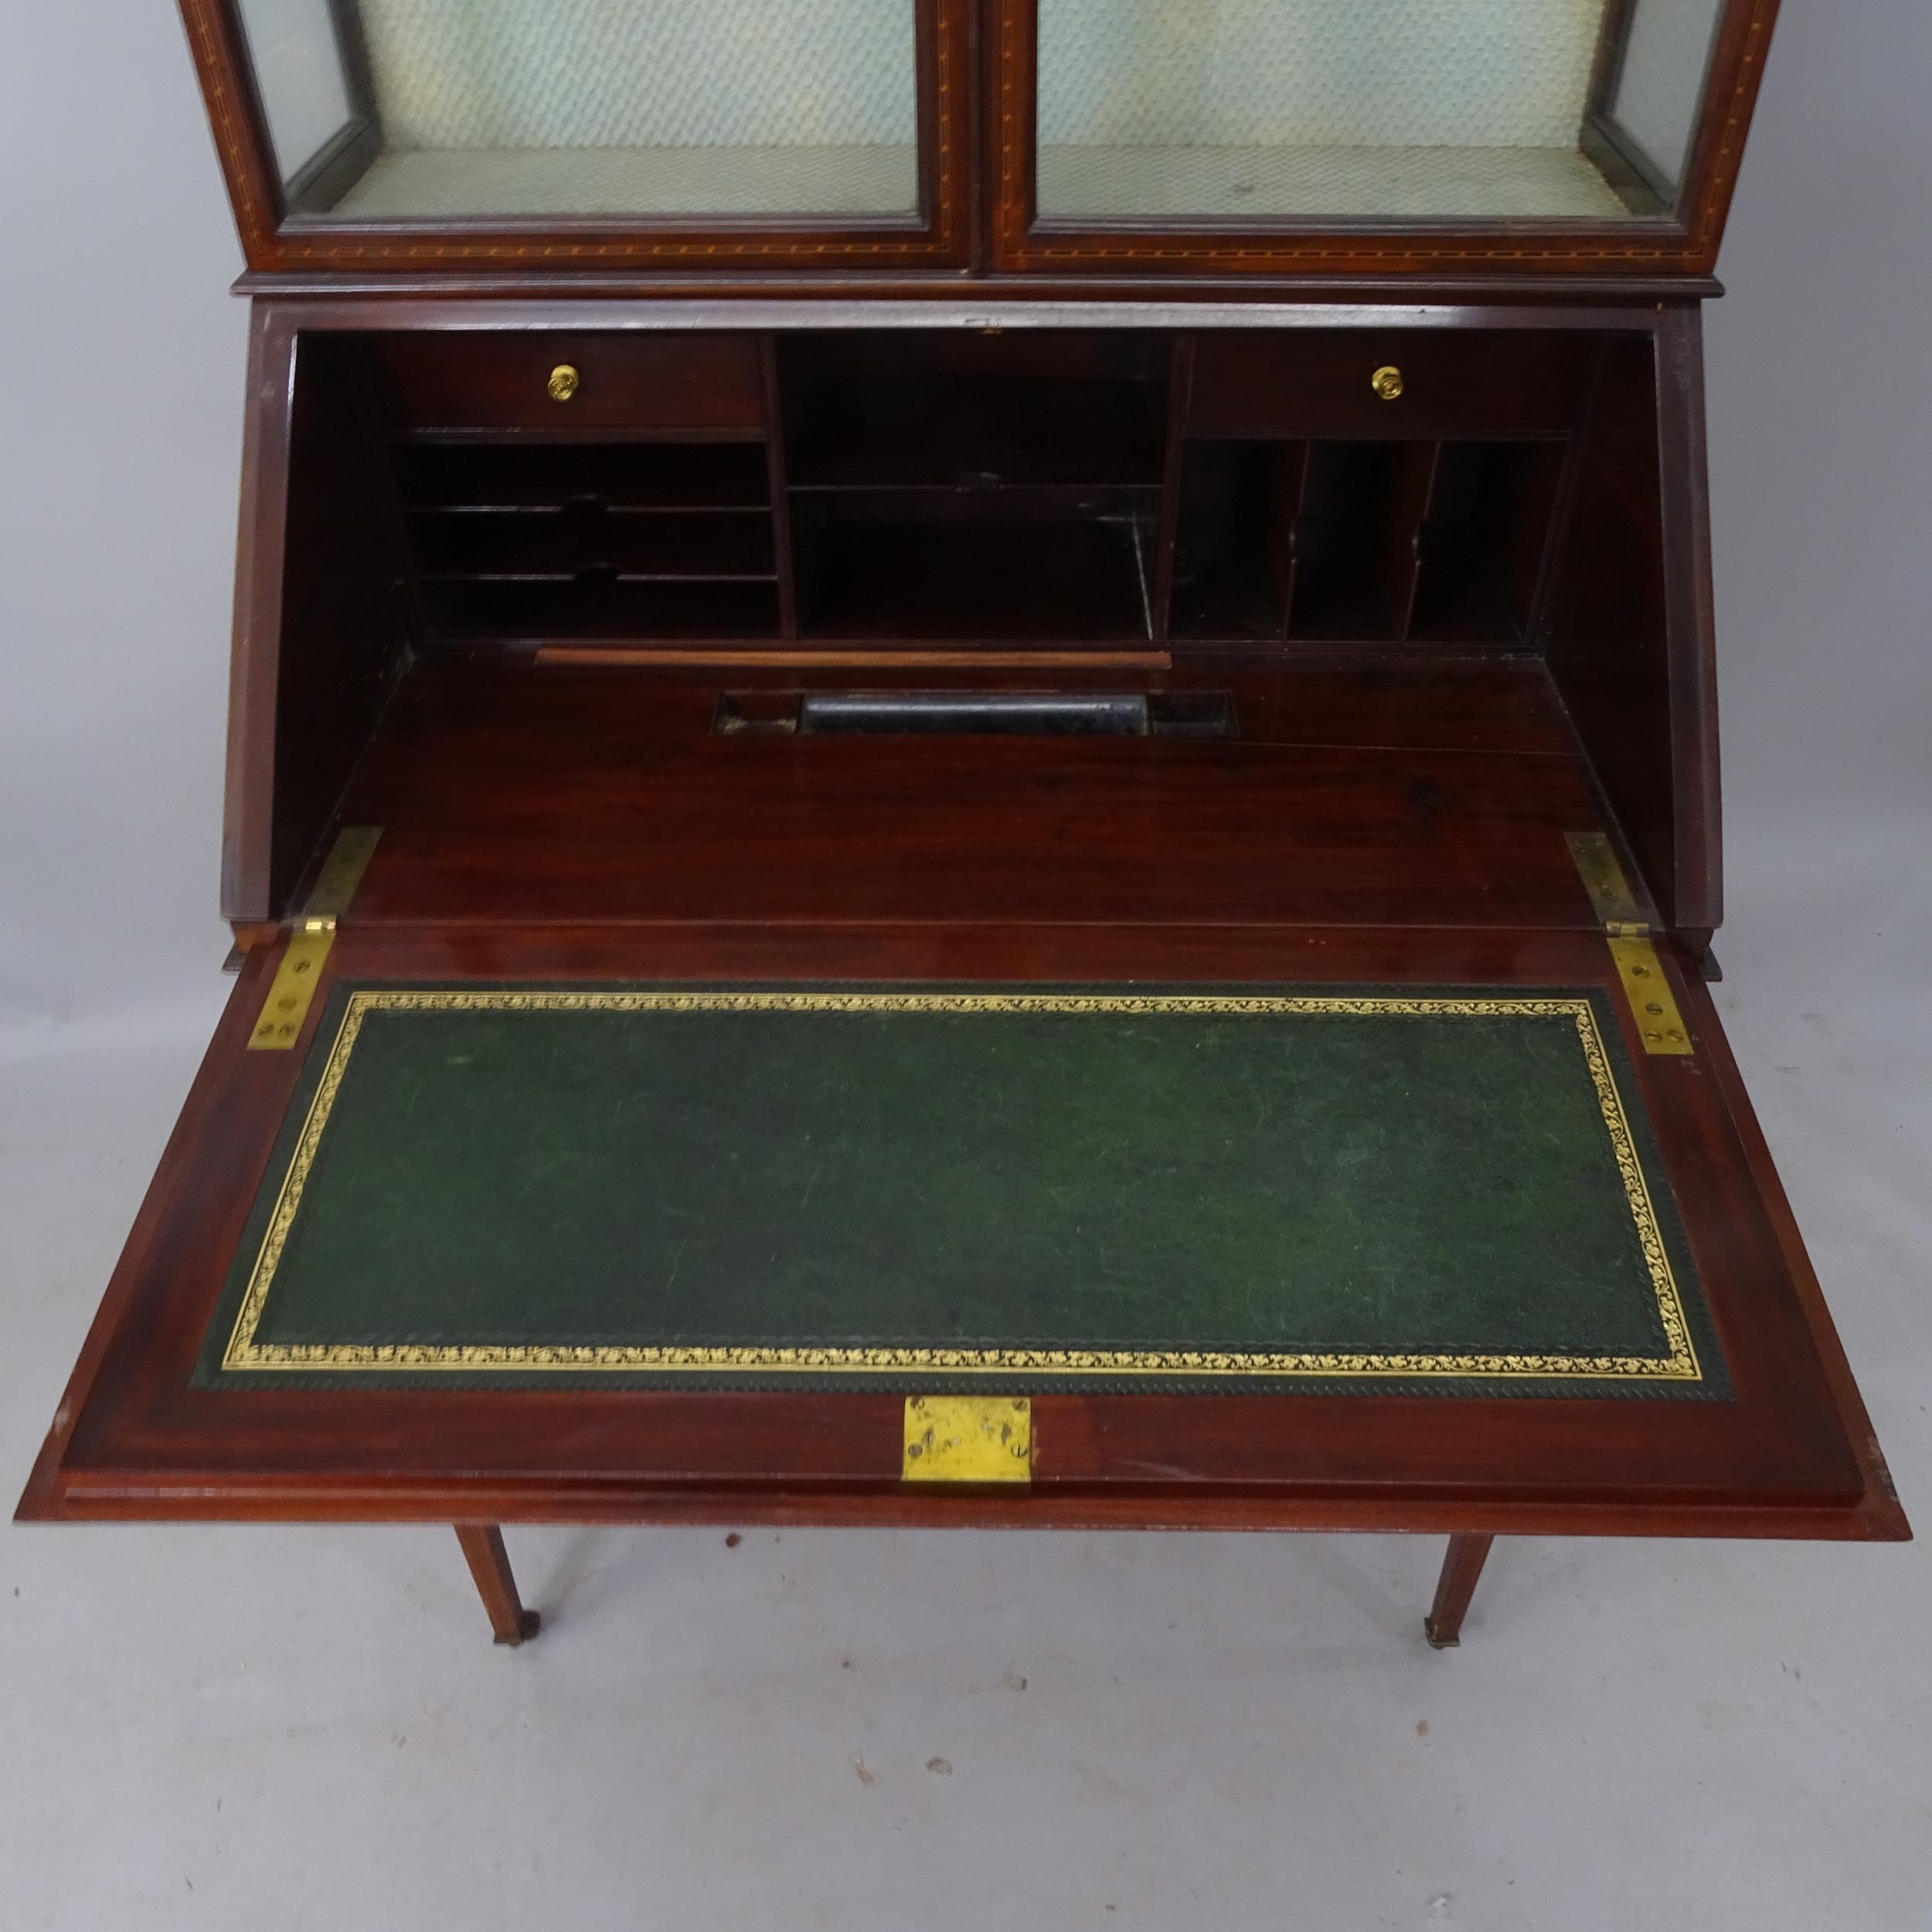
{"x":1460,"y":1570}
{"x":489,"y":1565}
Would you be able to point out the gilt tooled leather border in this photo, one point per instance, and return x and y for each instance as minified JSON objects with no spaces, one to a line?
{"x":246,"y":1353}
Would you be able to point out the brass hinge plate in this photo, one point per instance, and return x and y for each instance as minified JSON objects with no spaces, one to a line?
{"x":341,"y":876}
{"x":968,"y":1439}
{"x":292,"y":992}
{"x":1595,"y":860}
{"x":1660,"y":1024}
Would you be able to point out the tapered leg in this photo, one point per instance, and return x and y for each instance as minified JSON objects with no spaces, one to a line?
{"x":1460,"y":1570}
{"x":489,"y":1565}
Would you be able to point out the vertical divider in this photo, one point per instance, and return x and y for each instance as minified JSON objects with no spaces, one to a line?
{"x":1180,"y":387}
{"x":1284,"y":525}
{"x":1356,"y":540}
{"x":1418,"y":465}
{"x":779,"y":488}
{"x":1302,"y":459}
{"x":1543,"y":476}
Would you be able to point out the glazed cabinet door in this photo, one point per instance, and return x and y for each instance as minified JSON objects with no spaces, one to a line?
{"x":651,"y":133}
{"x":1281,"y":134}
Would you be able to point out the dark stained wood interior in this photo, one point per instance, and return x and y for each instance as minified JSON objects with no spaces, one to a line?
{"x":344,"y":619}
{"x":1607,"y":642}
{"x":1487,"y":551}
{"x":1053,"y":486}
{"x":1436,"y":795}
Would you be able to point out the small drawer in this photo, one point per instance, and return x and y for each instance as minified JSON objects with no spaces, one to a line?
{"x":1392,"y":384}
{"x":451,"y":380}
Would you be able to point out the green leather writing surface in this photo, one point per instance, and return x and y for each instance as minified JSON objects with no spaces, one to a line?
{"x":1446,"y":1191}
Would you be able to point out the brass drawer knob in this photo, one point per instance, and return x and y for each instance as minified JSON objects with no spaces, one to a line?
{"x":1386,"y":381}
{"x":564,"y":383}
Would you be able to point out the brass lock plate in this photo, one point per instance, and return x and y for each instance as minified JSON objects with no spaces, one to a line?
{"x":968,"y":1439}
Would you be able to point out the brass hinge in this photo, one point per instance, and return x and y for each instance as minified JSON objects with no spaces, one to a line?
{"x":968,"y":1439}
{"x":292,"y":992}
{"x":1646,"y":985}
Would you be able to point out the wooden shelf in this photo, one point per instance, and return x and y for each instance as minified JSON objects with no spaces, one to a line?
{"x":1006,"y":489}
{"x":975,"y":411}
{"x":1026,"y":581}
{"x":599,"y":607}
{"x":700,"y":544}
{"x":502,"y":475}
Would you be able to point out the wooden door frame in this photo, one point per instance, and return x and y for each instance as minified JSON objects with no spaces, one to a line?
{"x":278,"y":237}
{"x":1024,"y":243}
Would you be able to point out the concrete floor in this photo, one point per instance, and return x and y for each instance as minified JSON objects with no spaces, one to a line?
{"x":266,"y":1727}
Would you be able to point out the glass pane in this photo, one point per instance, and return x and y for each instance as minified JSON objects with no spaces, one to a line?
{"x":1662,"y":83}
{"x":1379,"y":110}
{"x":298,"y":71}
{"x":529,"y":108}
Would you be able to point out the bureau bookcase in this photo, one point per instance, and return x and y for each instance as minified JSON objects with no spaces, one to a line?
{"x":973,"y":780}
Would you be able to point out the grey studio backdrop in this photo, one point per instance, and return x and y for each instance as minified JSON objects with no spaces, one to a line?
{"x":240,"y":1727}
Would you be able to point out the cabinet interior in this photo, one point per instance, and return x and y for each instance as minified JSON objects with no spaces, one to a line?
{"x":1394,"y":598}
{"x":1000,"y":489}
{"x":1285,"y":110}
{"x":1263,"y":113}
{"x":414,"y":111}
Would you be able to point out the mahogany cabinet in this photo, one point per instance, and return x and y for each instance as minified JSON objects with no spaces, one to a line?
{"x":932,"y":516}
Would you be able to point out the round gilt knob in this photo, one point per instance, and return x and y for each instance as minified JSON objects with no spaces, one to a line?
{"x":1386,"y":381}
{"x":564,"y":382}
